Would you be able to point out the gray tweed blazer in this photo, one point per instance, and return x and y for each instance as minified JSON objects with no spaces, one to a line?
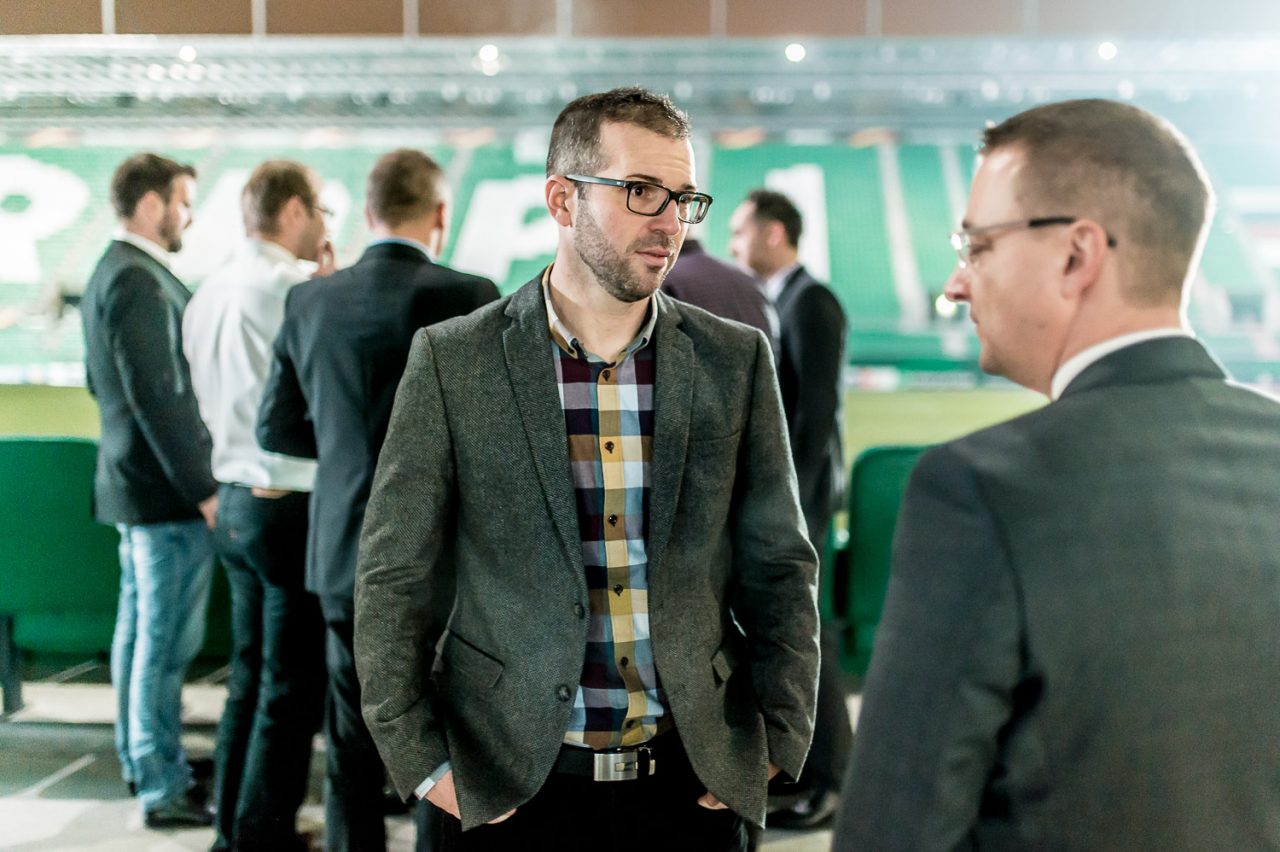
{"x":471,"y":594}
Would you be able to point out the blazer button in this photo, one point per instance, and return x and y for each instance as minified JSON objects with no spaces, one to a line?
{"x":562,"y":692}
{"x":579,"y":610}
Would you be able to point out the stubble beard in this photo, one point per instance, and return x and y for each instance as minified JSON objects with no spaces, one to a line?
{"x":611,"y":269}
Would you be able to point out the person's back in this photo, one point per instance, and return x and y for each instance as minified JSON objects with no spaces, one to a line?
{"x":1078,"y":644}
{"x":718,"y":287}
{"x":1150,"y":645}
{"x":350,"y":343}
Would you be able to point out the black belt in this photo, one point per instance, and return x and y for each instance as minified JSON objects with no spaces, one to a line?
{"x":615,"y":764}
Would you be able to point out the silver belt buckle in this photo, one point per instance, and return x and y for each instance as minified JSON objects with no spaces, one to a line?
{"x":621,"y":765}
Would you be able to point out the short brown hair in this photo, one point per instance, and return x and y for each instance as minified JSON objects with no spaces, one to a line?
{"x":773,"y":206}
{"x":143,"y":173}
{"x":1130,"y":170}
{"x":575,"y":138}
{"x":269,"y":189}
{"x":404,"y":185}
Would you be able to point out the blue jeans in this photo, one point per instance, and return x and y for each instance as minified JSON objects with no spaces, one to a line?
{"x":165,"y":572}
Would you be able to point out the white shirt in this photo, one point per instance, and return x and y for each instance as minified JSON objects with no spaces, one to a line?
{"x":154,"y":249}
{"x":775,"y":283}
{"x":1076,"y":364}
{"x":227,"y":334}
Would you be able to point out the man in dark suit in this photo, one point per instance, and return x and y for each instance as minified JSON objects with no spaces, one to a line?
{"x":153,"y":479}
{"x":765,"y":238}
{"x":1079,"y":649}
{"x":718,"y":287}
{"x":338,"y":360}
{"x":585,"y":605}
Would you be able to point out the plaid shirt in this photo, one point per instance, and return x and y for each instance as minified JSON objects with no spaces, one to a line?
{"x":608,"y":415}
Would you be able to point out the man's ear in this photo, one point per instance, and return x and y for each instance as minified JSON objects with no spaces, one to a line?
{"x":775,"y":234}
{"x":1087,"y":252}
{"x":558,"y":193}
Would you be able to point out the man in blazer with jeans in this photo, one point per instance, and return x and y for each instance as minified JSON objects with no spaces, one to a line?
{"x":1079,"y":646}
{"x":585,"y":603}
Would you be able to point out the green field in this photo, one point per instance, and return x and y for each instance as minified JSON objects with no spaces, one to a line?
{"x":871,"y":418}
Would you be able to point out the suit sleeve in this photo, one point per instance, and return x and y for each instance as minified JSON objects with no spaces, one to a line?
{"x":947,"y":658}
{"x":146,"y":345}
{"x":486,"y":292}
{"x":775,"y":571}
{"x":284,"y":420}
{"x":405,"y":581}
{"x":816,"y":348}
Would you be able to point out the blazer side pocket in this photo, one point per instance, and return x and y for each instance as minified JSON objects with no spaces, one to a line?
{"x":463,"y":659}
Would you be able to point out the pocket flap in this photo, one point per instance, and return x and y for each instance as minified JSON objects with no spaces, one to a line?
{"x":463,"y":658}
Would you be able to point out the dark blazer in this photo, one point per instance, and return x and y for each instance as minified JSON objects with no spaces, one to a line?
{"x":811,"y":341}
{"x":471,"y":546}
{"x":338,"y":360}
{"x":154,"y":450}
{"x":1080,"y":647}
{"x":716,"y":286}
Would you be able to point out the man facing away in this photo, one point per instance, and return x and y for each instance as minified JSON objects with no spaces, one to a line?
{"x":153,"y":479}
{"x":719,"y":287}
{"x":765,"y":239}
{"x":1078,"y":648}
{"x":337,"y":362}
{"x":585,"y":605}
{"x":276,"y":685}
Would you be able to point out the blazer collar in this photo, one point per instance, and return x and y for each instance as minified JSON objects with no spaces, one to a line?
{"x":1152,"y":362}
{"x":394,"y":251}
{"x":169,"y":283}
{"x":527,"y":347}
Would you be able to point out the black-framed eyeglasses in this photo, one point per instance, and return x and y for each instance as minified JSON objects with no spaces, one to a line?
{"x":962,"y":240}
{"x":322,"y":210}
{"x":650,"y":199}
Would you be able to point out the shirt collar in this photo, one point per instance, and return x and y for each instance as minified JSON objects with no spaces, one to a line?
{"x":272,"y":251}
{"x":404,"y":241}
{"x":1079,"y":362}
{"x":568,"y":341}
{"x":154,"y":249}
{"x":777,"y":282}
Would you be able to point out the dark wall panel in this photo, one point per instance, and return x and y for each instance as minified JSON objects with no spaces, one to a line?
{"x":183,"y":17}
{"x":335,"y":17}
{"x":615,"y":19}
{"x":491,"y":17}
{"x":935,"y":18}
{"x":768,"y":18}
{"x":24,"y":17}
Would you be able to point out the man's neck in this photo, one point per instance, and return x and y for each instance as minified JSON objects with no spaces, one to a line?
{"x":420,"y":233}
{"x":604,"y":325}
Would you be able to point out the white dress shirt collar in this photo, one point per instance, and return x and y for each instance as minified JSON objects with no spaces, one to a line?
{"x":777,"y":282}
{"x":1077,"y":363}
{"x":154,"y":249}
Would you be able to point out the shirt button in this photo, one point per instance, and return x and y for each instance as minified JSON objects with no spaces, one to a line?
{"x":631,"y":723}
{"x":613,"y":520}
{"x":605,"y":375}
{"x":562,"y":692}
{"x":578,"y":610}
{"x":617,"y":590}
{"x":624,"y":662}
{"x":608,"y":446}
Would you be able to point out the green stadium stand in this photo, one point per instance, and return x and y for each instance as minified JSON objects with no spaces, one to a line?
{"x":59,"y":569}
{"x":862,"y":563}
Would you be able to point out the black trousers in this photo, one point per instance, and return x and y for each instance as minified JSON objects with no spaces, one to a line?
{"x":659,"y":812}
{"x":275,"y":689}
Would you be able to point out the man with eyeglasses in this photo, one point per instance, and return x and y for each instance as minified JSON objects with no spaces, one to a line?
{"x":585,"y":604}
{"x":1078,"y":647}
{"x":275,"y":687}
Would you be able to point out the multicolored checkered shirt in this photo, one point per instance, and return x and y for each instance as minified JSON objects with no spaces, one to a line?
{"x":608,"y":415}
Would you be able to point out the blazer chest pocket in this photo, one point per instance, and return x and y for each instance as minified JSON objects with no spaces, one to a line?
{"x":466,"y":661}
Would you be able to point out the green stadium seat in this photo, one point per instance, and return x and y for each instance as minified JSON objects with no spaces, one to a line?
{"x":876,"y":485}
{"x":59,"y":569}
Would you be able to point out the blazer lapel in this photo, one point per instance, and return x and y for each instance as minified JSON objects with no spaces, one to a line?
{"x":672,"y":402}
{"x":527,"y":346}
